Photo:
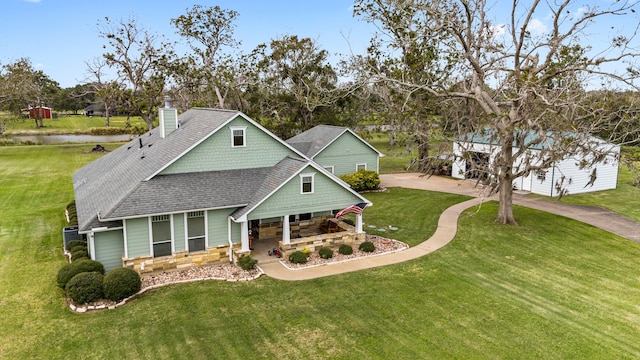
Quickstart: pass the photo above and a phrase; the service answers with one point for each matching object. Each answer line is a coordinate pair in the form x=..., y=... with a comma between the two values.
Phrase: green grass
x=396, y=158
x=72, y=124
x=550, y=288
x=623, y=200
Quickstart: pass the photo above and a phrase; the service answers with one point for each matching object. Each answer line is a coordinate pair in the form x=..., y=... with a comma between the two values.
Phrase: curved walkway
x=448, y=224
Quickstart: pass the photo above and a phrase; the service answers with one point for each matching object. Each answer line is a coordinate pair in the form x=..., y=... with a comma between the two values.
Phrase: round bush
x=85, y=287
x=345, y=249
x=246, y=262
x=367, y=246
x=73, y=243
x=325, y=253
x=298, y=257
x=79, y=249
x=121, y=283
x=70, y=270
x=78, y=255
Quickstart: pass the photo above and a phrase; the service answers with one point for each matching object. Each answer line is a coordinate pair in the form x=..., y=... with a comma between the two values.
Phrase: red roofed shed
x=40, y=112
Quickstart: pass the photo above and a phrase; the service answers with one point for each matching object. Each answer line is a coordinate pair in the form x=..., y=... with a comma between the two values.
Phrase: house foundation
x=180, y=260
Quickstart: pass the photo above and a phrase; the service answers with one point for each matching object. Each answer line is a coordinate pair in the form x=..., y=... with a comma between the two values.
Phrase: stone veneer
x=345, y=235
x=180, y=259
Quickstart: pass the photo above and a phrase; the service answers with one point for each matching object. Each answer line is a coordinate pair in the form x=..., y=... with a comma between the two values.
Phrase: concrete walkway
x=448, y=224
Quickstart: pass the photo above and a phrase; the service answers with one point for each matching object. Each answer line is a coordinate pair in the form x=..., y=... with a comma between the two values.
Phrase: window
x=195, y=231
x=161, y=235
x=306, y=183
x=304, y=217
x=361, y=167
x=238, y=136
x=329, y=169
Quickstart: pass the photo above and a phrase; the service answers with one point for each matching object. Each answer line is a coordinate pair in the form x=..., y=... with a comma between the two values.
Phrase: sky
x=59, y=36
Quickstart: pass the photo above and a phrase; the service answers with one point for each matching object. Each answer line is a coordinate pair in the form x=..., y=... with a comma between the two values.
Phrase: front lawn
x=550, y=288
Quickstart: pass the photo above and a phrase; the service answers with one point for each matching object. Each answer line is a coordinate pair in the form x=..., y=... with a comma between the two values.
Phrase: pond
x=61, y=139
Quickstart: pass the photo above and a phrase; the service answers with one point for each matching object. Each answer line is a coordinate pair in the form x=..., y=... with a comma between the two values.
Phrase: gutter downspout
x=229, y=239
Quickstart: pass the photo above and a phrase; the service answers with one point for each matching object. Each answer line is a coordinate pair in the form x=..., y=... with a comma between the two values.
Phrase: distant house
x=200, y=188
x=338, y=149
x=94, y=110
x=40, y=112
x=564, y=175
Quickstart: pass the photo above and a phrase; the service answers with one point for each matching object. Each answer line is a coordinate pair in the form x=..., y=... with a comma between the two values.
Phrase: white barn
x=564, y=175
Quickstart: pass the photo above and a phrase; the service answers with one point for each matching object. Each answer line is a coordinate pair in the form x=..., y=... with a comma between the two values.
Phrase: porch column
x=286, y=230
x=244, y=235
x=359, y=223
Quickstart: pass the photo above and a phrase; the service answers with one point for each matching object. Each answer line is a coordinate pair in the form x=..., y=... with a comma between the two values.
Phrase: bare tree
x=513, y=85
x=140, y=63
x=108, y=91
x=209, y=71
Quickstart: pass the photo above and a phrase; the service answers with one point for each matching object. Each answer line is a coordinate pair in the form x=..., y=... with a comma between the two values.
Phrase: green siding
x=345, y=152
x=137, y=237
x=261, y=150
x=109, y=248
x=327, y=195
x=235, y=232
x=217, y=226
x=178, y=232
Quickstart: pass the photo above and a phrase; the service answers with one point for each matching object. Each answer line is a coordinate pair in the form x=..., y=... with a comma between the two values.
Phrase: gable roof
x=281, y=173
x=102, y=187
x=318, y=138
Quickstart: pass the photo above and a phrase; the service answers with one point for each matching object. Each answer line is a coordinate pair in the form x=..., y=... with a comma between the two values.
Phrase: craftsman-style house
x=204, y=187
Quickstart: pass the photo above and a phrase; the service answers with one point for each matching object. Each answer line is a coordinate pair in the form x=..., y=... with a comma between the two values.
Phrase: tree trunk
x=504, y=161
x=505, y=208
x=106, y=116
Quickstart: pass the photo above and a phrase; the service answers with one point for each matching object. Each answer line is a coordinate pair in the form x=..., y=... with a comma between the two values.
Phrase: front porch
x=312, y=234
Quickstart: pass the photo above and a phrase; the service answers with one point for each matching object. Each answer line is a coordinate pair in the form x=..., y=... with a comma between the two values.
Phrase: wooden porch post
x=286, y=230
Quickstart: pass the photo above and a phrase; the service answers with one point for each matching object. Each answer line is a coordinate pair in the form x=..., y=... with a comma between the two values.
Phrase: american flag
x=356, y=209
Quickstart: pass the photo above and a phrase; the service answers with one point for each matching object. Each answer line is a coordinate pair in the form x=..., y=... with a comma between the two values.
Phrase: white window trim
x=173, y=244
x=244, y=136
x=361, y=164
x=302, y=176
x=330, y=169
x=186, y=230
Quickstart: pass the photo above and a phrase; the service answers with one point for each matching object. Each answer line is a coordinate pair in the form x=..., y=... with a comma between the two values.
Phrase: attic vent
x=140, y=140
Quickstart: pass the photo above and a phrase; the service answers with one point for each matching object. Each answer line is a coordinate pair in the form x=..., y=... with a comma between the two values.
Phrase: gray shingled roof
x=103, y=184
x=316, y=139
x=191, y=191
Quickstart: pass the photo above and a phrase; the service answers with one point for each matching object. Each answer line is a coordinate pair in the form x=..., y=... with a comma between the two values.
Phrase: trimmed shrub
x=77, y=255
x=68, y=271
x=345, y=249
x=362, y=180
x=246, y=262
x=121, y=283
x=85, y=287
x=367, y=246
x=73, y=243
x=78, y=248
x=325, y=253
x=298, y=257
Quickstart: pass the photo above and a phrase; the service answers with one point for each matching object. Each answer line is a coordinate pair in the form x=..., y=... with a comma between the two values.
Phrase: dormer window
x=238, y=138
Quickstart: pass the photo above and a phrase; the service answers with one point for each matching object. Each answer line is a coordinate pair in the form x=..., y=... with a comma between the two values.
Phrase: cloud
x=498, y=30
x=537, y=27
